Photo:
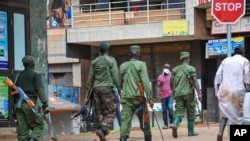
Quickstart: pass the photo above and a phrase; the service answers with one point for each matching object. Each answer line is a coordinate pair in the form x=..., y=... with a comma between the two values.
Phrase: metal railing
x=118, y=13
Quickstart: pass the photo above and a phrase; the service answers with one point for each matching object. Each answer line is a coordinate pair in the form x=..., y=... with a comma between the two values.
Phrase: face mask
x=166, y=71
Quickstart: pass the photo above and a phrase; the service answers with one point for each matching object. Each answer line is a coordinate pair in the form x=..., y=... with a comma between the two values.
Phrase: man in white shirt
x=230, y=83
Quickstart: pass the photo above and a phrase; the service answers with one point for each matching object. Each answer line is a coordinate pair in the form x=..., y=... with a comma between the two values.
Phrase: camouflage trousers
x=105, y=107
x=26, y=121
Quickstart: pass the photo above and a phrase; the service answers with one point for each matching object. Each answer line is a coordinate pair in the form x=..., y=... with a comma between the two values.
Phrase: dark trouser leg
x=148, y=137
x=123, y=138
x=164, y=111
x=223, y=123
x=118, y=112
x=32, y=139
x=171, y=109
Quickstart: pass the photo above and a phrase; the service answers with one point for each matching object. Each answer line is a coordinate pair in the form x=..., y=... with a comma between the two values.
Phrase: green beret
x=28, y=59
x=134, y=48
x=104, y=45
x=184, y=54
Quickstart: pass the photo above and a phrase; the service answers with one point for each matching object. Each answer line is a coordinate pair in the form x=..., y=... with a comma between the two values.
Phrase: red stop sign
x=228, y=11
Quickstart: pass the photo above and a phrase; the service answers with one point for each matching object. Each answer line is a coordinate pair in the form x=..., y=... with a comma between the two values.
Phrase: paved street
x=136, y=135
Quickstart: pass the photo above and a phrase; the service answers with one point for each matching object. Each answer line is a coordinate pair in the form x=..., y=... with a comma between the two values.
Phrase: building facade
x=22, y=31
x=162, y=28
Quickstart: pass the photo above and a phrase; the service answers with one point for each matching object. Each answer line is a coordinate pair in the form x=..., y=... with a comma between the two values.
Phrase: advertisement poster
x=219, y=46
x=4, y=64
x=71, y=94
x=58, y=13
x=175, y=28
x=4, y=100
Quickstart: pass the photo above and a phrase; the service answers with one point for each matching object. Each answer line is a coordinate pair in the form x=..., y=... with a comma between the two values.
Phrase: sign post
x=228, y=12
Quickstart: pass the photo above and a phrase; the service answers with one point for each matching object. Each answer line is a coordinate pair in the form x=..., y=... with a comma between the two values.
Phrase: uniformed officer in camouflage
x=104, y=72
x=32, y=84
x=184, y=94
x=133, y=72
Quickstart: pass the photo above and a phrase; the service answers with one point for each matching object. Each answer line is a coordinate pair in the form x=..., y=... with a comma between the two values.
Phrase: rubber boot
x=177, y=121
x=148, y=137
x=191, y=131
x=223, y=123
x=123, y=138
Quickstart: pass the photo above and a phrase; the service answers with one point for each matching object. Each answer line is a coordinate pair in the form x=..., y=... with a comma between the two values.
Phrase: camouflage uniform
x=131, y=73
x=183, y=94
x=104, y=72
x=31, y=83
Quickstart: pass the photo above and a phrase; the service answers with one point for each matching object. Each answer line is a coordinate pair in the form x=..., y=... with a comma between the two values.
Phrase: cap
x=166, y=66
x=134, y=48
x=28, y=59
x=104, y=45
x=184, y=54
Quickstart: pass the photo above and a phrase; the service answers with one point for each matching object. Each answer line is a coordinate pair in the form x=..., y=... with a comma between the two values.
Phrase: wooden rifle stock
x=144, y=103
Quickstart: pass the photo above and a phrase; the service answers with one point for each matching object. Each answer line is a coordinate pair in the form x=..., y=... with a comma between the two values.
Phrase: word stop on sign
x=227, y=6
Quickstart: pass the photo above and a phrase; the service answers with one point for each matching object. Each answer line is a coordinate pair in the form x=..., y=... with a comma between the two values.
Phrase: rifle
x=90, y=94
x=144, y=107
x=23, y=96
x=191, y=81
x=145, y=117
x=30, y=103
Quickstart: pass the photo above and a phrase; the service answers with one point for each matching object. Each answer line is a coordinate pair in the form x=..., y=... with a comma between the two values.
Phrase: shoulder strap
x=108, y=68
x=185, y=72
x=137, y=72
x=16, y=78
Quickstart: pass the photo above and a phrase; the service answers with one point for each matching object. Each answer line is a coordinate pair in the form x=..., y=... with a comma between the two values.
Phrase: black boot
x=223, y=123
x=32, y=139
x=101, y=134
x=123, y=138
x=148, y=137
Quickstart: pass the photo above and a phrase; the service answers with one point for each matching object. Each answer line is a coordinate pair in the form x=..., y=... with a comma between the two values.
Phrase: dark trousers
x=167, y=109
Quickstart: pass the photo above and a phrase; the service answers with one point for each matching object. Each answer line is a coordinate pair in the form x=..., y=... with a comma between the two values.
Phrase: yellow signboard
x=175, y=28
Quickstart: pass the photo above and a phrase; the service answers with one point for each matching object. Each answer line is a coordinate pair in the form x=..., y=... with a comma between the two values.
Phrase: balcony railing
x=120, y=13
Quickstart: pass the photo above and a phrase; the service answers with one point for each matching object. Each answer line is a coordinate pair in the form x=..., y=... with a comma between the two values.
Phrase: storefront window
x=19, y=40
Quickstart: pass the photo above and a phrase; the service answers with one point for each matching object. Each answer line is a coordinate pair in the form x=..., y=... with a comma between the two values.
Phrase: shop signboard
x=4, y=100
x=200, y=2
x=70, y=93
x=4, y=64
x=243, y=25
x=218, y=47
x=175, y=28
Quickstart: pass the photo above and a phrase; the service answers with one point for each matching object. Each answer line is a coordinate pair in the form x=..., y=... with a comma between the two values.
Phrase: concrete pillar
x=38, y=40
